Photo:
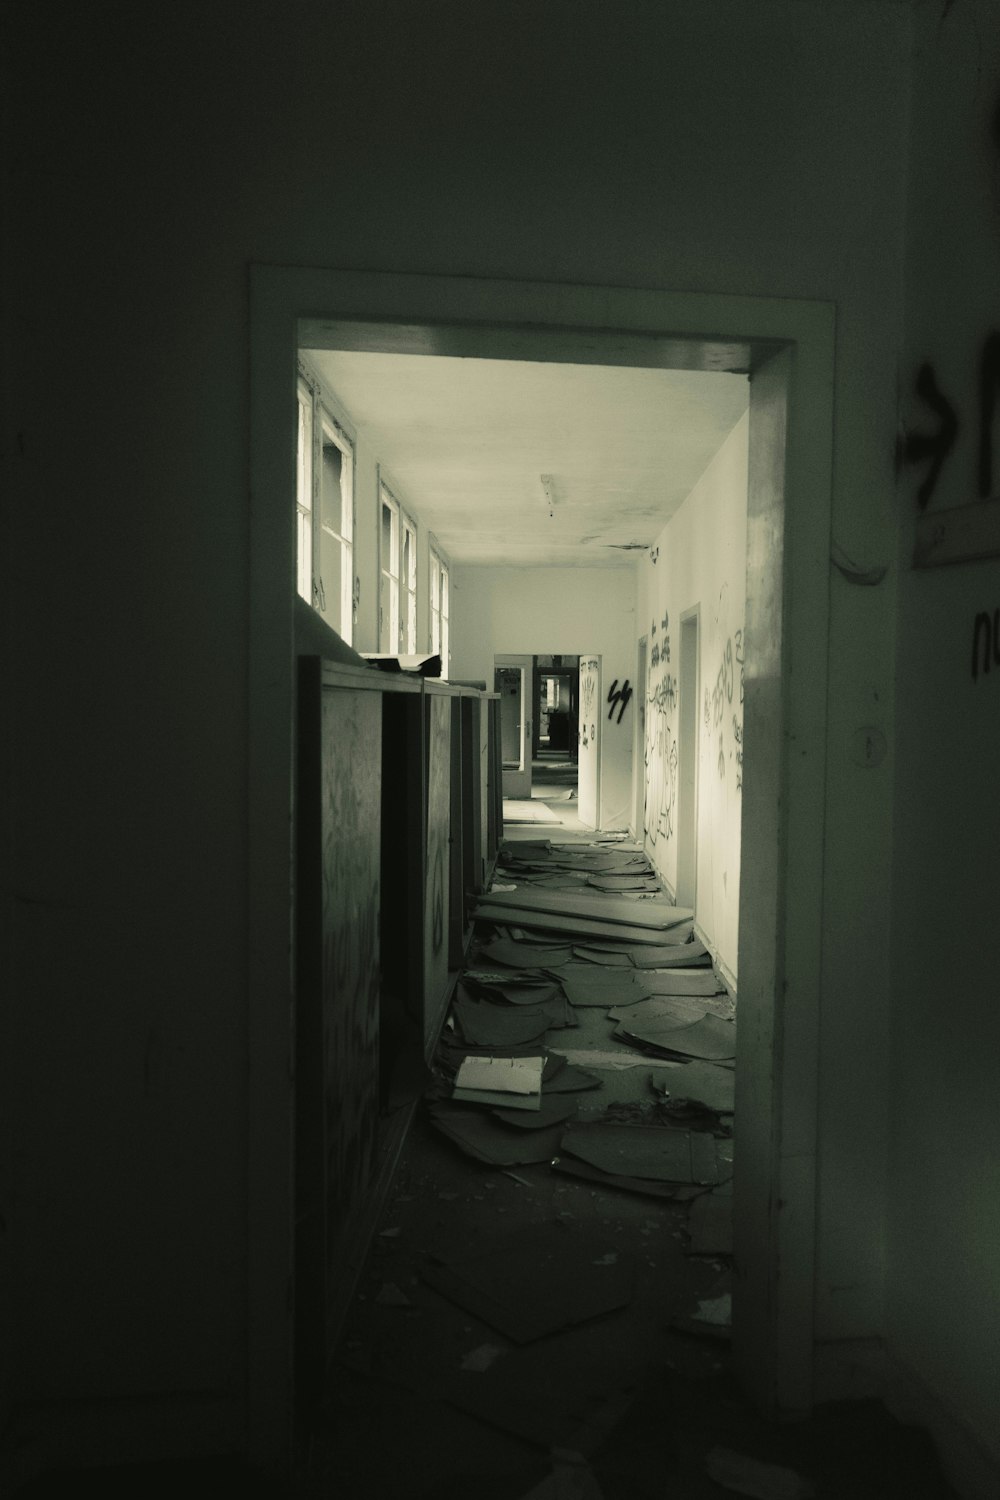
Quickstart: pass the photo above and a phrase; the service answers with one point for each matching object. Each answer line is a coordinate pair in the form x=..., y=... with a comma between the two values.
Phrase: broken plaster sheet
x=709, y=1038
x=647, y=1151
x=489, y=1025
x=579, y=928
x=701, y=1083
x=527, y=956
x=514, y=1081
x=537, y=1281
x=679, y=982
x=674, y=1009
x=670, y=955
x=747, y=1476
x=554, y=1109
x=615, y=882
x=487, y=1140
x=568, y=1481
x=646, y=1187
x=571, y=1080
x=712, y=1316
x=602, y=958
x=611, y=1061
x=586, y=984
x=543, y=992
x=600, y=906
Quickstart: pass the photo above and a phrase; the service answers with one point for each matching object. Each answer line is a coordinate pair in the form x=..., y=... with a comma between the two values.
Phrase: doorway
x=687, y=764
x=780, y=917
x=512, y=679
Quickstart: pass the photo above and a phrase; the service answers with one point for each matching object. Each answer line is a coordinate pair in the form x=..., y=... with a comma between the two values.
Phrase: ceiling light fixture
x=549, y=491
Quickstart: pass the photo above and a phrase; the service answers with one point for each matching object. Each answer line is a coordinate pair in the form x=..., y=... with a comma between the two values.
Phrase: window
x=439, y=608
x=409, y=582
x=335, y=581
x=324, y=499
x=398, y=577
x=303, y=494
x=389, y=573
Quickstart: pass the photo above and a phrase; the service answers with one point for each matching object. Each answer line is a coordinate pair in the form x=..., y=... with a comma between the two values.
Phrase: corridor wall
x=700, y=566
x=943, y=1281
x=571, y=611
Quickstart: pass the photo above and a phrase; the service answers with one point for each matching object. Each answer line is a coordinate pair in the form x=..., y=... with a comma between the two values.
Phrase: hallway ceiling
x=466, y=441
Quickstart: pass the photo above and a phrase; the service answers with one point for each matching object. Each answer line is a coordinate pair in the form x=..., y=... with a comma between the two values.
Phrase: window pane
x=303, y=496
x=410, y=643
x=347, y=496
x=329, y=584
x=304, y=555
x=387, y=519
x=303, y=477
x=331, y=497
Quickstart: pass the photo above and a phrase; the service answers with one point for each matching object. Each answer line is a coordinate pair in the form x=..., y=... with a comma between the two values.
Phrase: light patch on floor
x=527, y=812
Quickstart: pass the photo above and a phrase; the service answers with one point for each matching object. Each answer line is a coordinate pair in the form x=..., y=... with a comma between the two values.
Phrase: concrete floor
x=637, y=1401
x=640, y=1402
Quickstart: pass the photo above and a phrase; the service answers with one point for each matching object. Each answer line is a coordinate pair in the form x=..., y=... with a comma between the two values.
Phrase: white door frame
x=517, y=783
x=783, y=794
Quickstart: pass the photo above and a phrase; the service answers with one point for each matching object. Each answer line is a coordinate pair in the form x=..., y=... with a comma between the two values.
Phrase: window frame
x=398, y=635
x=325, y=421
x=439, y=578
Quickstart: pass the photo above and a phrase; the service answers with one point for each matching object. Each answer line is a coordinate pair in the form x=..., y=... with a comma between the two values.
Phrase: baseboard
x=970, y=1465
x=721, y=968
x=88, y=1434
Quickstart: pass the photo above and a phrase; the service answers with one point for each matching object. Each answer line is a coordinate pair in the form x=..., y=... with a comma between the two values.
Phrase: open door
x=588, y=786
x=512, y=680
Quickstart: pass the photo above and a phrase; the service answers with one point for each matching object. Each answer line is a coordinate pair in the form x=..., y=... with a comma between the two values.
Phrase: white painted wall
x=570, y=611
x=943, y=1283
x=700, y=565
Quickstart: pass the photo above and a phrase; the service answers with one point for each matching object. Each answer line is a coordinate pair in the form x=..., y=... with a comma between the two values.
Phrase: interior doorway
x=512, y=679
x=782, y=804
x=687, y=763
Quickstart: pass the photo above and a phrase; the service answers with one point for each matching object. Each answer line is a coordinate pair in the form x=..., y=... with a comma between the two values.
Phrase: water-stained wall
x=943, y=1303
x=697, y=567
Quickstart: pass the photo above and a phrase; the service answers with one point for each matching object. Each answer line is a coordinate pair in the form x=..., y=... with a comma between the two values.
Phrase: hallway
x=470, y=1365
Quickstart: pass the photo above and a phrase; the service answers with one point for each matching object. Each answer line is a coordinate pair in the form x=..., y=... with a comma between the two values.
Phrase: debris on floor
x=747, y=1476
x=513, y=1082
x=537, y=1281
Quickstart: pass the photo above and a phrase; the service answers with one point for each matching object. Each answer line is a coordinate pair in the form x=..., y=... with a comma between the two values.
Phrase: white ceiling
x=466, y=441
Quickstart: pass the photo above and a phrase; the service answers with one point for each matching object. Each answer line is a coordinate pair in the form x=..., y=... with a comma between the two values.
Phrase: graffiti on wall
x=932, y=447
x=588, y=701
x=618, y=697
x=660, y=769
x=724, y=699
x=660, y=749
x=985, y=642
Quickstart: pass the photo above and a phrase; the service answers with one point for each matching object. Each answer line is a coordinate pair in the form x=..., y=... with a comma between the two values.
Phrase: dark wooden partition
x=338, y=863
x=474, y=768
x=395, y=774
x=437, y=724
x=403, y=887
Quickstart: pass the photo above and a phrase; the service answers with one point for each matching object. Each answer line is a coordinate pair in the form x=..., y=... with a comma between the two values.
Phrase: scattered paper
x=508, y=1075
x=716, y=1310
